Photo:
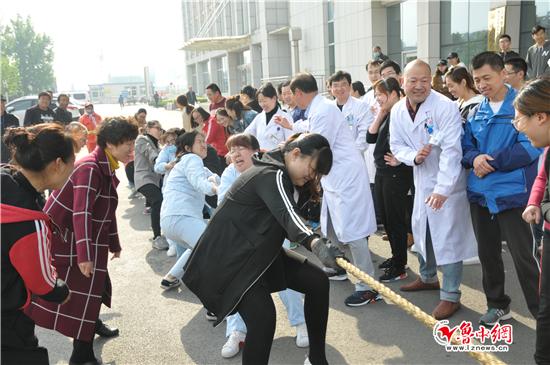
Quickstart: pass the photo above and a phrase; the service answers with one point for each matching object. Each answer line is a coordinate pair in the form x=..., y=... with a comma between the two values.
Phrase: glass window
x=532, y=13
x=464, y=27
x=402, y=30
x=222, y=72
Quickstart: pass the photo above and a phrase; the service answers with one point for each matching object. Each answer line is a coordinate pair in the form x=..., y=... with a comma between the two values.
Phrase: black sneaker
x=170, y=284
x=393, y=273
x=363, y=297
x=211, y=316
x=386, y=264
x=337, y=275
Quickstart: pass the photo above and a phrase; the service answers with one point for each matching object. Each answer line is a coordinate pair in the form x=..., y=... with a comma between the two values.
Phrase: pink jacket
x=537, y=191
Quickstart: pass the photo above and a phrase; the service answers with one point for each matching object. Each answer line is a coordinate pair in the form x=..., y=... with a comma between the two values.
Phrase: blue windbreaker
x=515, y=159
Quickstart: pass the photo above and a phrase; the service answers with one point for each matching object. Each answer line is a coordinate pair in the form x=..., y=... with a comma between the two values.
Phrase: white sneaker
x=171, y=251
x=302, y=339
x=471, y=261
x=160, y=243
x=307, y=362
x=233, y=345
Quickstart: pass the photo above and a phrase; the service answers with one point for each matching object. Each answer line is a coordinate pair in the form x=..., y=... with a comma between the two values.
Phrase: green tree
x=11, y=83
x=31, y=53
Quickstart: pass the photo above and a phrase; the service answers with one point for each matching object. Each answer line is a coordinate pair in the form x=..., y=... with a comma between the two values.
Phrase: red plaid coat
x=84, y=210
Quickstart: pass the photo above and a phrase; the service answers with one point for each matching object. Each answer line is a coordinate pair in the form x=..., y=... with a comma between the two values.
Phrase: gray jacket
x=146, y=152
x=537, y=61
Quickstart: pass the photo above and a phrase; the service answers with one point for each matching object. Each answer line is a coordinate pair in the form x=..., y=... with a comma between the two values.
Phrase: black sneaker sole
x=396, y=278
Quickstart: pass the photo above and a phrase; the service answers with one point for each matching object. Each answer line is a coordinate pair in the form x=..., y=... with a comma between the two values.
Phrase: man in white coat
x=355, y=111
x=347, y=212
x=425, y=132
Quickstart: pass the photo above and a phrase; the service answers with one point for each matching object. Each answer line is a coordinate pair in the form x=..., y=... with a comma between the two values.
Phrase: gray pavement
x=158, y=327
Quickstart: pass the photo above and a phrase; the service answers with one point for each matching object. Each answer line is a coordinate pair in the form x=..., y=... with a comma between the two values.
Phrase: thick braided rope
x=416, y=312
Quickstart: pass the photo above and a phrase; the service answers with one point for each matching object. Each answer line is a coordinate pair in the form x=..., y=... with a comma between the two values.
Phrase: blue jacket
x=185, y=188
x=166, y=155
x=515, y=159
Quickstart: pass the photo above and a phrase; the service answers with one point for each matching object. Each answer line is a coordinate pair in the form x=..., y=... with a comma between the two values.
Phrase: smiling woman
x=84, y=210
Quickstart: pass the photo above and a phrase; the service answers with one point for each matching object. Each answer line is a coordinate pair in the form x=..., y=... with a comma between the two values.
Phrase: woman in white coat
x=347, y=210
x=425, y=132
x=263, y=127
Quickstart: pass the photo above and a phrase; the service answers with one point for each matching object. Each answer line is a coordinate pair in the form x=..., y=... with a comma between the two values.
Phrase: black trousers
x=19, y=344
x=490, y=229
x=542, y=354
x=129, y=169
x=391, y=195
x=154, y=196
x=258, y=312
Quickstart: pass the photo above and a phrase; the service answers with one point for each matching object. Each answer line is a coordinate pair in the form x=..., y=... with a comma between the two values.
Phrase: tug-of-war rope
x=416, y=312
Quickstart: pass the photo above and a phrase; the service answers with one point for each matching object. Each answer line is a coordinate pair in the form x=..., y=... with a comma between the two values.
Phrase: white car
x=19, y=106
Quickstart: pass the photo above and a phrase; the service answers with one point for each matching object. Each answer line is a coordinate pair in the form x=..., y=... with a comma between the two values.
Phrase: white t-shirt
x=495, y=105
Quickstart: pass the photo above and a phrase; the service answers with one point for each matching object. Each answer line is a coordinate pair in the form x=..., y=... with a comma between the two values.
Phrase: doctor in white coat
x=263, y=127
x=425, y=132
x=354, y=110
x=347, y=211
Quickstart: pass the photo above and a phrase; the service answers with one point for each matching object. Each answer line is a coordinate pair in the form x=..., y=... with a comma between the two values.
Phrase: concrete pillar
x=256, y=63
x=213, y=70
x=233, y=76
x=295, y=35
x=429, y=32
x=513, y=20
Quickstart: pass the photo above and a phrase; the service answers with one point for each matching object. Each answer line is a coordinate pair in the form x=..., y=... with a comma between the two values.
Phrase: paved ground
x=170, y=328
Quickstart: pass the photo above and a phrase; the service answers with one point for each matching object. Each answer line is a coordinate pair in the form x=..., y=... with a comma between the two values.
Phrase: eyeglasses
x=518, y=122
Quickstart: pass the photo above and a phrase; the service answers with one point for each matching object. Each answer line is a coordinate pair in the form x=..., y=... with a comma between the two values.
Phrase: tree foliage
x=30, y=53
x=11, y=83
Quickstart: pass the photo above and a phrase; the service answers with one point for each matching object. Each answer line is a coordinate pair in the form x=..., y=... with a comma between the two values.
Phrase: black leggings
x=129, y=169
x=542, y=354
x=153, y=195
x=258, y=312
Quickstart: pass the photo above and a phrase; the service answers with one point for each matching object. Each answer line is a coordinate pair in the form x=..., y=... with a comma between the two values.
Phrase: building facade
x=240, y=42
x=132, y=88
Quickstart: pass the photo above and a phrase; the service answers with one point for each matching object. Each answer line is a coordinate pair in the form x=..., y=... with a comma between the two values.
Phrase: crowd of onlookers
x=447, y=164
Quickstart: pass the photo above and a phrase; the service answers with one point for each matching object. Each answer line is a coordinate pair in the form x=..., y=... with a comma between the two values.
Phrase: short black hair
x=62, y=96
x=505, y=36
x=304, y=82
x=267, y=90
x=392, y=64
x=537, y=28
x=487, y=58
x=214, y=87
x=45, y=93
x=339, y=76
x=518, y=64
x=116, y=131
x=359, y=87
x=249, y=91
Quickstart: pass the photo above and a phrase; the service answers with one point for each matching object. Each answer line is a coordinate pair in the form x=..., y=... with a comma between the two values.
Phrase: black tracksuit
x=63, y=116
x=392, y=186
x=239, y=259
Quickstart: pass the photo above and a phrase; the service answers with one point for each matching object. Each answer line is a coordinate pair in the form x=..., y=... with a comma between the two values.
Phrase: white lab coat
x=271, y=135
x=356, y=115
x=372, y=111
x=346, y=190
x=451, y=227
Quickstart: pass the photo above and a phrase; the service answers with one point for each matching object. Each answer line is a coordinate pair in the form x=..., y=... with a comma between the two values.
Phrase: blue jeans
x=452, y=273
x=185, y=231
x=291, y=299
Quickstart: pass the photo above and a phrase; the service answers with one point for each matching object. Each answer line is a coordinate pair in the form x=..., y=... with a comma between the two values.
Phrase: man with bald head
x=425, y=132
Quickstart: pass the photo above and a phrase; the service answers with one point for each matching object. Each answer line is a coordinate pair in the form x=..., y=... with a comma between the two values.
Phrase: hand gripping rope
x=416, y=312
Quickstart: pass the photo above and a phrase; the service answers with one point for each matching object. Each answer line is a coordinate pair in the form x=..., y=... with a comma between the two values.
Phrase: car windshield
x=79, y=96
